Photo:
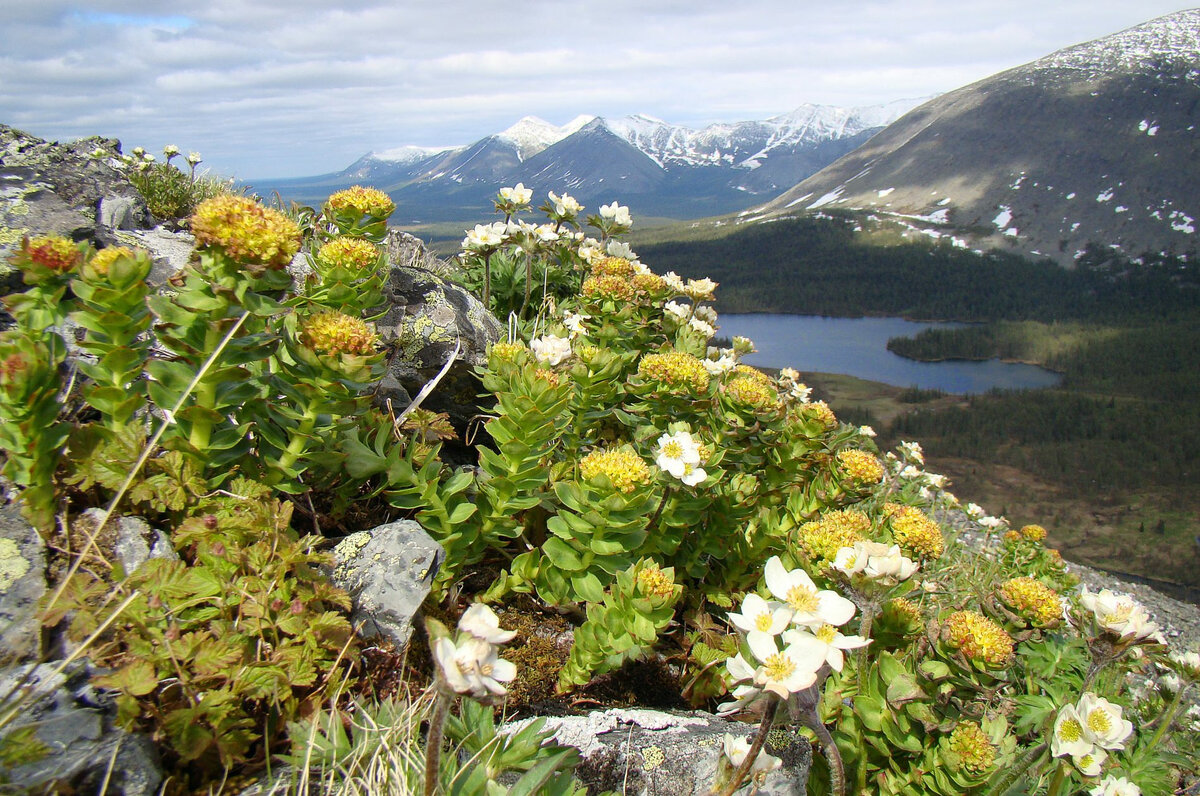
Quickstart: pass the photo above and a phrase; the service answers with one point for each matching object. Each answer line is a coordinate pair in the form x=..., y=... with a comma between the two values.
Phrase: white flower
x=518, y=195
x=1069, y=736
x=472, y=666
x=700, y=289
x=875, y=561
x=866, y=431
x=703, y=328
x=148, y=158
x=193, y=158
x=693, y=475
x=1116, y=786
x=170, y=150
x=565, y=206
x=1188, y=661
x=743, y=345
x=618, y=214
x=484, y=236
x=1120, y=615
x=1090, y=764
x=676, y=451
x=910, y=473
x=789, y=375
x=1171, y=682
x=1102, y=722
x=812, y=607
x=674, y=281
x=676, y=310
x=786, y=671
x=800, y=392
x=935, y=480
x=974, y=511
x=992, y=522
x=590, y=250
x=640, y=268
x=743, y=695
x=616, y=248
x=912, y=451
x=481, y=622
x=550, y=349
x=722, y=364
x=761, y=616
x=574, y=322
x=736, y=750
x=137, y=151
x=706, y=313
x=828, y=640
x=546, y=233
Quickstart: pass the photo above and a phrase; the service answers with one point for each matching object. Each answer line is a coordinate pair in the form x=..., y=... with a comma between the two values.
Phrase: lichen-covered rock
x=22, y=585
x=129, y=541
x=387, y=571
x=660, y=753
x=75, y=746
x=427, y=316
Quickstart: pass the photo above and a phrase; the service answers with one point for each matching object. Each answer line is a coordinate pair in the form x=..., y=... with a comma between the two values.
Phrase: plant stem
x=487, y=280
x=1010, y=775
x=1060, y=775
x=1167, y=717
x=812, y=719
x=528, y=285
x=433, y=741
x=760, y=739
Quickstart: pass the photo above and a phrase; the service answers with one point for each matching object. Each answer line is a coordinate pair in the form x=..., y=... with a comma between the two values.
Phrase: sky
x=278, y=88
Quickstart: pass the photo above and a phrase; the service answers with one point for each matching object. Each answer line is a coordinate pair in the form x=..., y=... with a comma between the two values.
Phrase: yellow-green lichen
x=11, y=235
x=652, y=758
x=13, y=565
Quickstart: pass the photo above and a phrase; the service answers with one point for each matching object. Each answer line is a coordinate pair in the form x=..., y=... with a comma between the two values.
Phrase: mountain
x=1096, y=144
x=655, y=167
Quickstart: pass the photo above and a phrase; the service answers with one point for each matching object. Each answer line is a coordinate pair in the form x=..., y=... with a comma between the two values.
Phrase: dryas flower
x=786, y=671
x=353, y=254
x=337, y=333
x=365, y=201
x=722, y=364
x=574, y=323
x=1116, y=786
x=517, y=196
x=860, y=466
x=1102, y=722
x=970, y=748
x=1032, y=600
x=679, y=455
x=700, y=289
x=978, y=638
x=974, y=511
x=736, y=749
x=703, y=327
x=827, y=640
x=1121, y=615
x=617, y=214
x=675, y=369
x=761, y=616
x=912, y=451
x=484, y=237
x=246, y=231
x=811, y=606
x=915, y=532
x=565, y=206
x=875, y=561
x=866, y=431
x=992, y=523
x=550, y=349
x=481, y=622
x=623, y=467
x=674, y=281
x=680, y=312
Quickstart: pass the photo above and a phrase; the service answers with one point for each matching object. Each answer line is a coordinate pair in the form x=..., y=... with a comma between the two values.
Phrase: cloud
x=279, y=87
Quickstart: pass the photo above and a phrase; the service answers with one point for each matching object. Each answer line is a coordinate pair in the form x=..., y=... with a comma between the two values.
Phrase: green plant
x=170, y=193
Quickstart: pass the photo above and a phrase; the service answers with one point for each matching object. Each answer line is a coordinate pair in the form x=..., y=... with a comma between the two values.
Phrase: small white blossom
x=1120, y=615
x=786, y=671
x=574, y=322
x=618, y=214
x=700, y=289
x=736, y=749
x=811, y=606
x=483, y=237
x=170, y=150
x=565, y=206
x=866, y=431
x=680, y=312
x=974, y=511
x=193, y=159
x=1116, y=786
x=992, y=522
x=1091, y=763
x=800, y=392
x=1102, y=722
x=481, y=622
x=517, y=195
x=910, y=473
x=761, y=616
x=674, y=281
x=829, y=640
x=550, y=349
x=706, y=313
x=616, y=248
x=722, y=364
x=472, y=666
x=875, y=561
x=789, y=375
x=705, y=330
x=912, y=451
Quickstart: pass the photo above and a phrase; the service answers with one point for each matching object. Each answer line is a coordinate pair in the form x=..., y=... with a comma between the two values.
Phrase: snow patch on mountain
x=1172, y=38
x=405, y=155
x=531, y=135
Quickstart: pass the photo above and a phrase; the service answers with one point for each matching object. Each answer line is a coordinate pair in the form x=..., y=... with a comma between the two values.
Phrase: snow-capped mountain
x=1096, y=144
x=654, y=166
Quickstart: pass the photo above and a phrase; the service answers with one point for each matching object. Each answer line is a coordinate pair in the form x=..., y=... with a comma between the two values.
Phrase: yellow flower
x=612, y=266
x=336, y=333
x=353, y=254
x=52, y=252
x=979, y=638
x=751, y=392
x=246, y=231
x=624, y=468
x=1011, y=537
x=548, y=376
x=821, y=539
x=654, y=582
x=608, y=286
x=861, y=466
x=368, y=201
x=915, y=532
x=103, y=259
x=905, y=610
x=819, y=410
x=971, y=749
x=675, y=369
x=1034, y=533
x=649, y=283
x=1032, y=600
x=506, y=352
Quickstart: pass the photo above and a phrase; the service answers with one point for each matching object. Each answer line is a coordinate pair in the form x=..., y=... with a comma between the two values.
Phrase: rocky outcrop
x=22, y=585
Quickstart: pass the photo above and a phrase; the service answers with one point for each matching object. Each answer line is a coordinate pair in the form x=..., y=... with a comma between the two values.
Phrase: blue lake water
x=858, y=347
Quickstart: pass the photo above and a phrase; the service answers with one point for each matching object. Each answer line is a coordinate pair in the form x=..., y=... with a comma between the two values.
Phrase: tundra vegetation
x=670, y=508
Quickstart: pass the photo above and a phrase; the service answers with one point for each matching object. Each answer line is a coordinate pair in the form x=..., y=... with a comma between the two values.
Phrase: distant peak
x=531, y=134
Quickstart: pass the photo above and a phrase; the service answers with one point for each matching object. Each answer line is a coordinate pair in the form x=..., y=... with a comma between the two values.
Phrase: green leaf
x=562, y=555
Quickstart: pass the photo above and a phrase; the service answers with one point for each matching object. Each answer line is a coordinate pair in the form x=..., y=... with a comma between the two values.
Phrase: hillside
x=1094, y=145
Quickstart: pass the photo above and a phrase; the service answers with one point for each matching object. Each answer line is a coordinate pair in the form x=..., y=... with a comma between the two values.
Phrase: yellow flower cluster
x=749, y=391
x=821, y=539
x=905, y=610
x=752, y=373
x=914, y=531
x=819, y=410
x=649, y=283
x=624, y=468
x=1032, y=600
x=1011, y=537
x=246, y=231
x=861, y=466
x=1034, y=533
x=52, y=252
x=653, y=582
x=506, y=352
x=607, y=286
x=103, y=259
x=612, y=266
x=337, y=333
x=353, y=254
x=675, y=369
x=546, y=375
x=979, y=638
x=368, y=201
x=972, y=748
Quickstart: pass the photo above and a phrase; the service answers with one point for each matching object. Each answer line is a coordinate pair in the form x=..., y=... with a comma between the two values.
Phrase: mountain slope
x=1095, y=144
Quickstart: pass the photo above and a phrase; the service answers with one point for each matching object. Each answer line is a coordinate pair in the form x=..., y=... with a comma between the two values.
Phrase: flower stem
x=837, y=770
x=1167, y=717
x=433, y=741
x=528, y=283
x=487, y=280
x=1060, y=776
x=760, y=739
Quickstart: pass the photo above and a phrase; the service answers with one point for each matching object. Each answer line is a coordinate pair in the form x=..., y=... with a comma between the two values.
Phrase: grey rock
x=80, y=740
x=427, y=317
x=170, y=250
x=133, y=541
x=118, y=212
x=661, y=753
x=387, y=571
x=22, y=585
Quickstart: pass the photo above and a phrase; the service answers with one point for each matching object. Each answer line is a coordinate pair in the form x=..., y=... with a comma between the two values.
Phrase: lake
x=858, y=347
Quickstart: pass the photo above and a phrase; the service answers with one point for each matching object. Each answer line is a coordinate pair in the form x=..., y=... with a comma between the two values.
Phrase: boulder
x=129, y=541
x=74, y=747
x=667, y=753
x=22, y=585
x=387, y=571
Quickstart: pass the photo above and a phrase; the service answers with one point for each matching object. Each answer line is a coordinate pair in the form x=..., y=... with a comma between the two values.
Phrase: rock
x=22, y=585
x=387, y=571
x=170, y=251
x=64, y=189
x=130, y=541
x=79, y=739
x=427, y=316
x=660, y=753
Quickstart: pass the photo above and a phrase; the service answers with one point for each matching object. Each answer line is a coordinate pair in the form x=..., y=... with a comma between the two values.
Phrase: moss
x=13, y=565
x=539, y=651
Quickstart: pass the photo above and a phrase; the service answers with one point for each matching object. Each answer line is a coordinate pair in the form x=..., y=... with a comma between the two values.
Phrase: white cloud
x=276, y=87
